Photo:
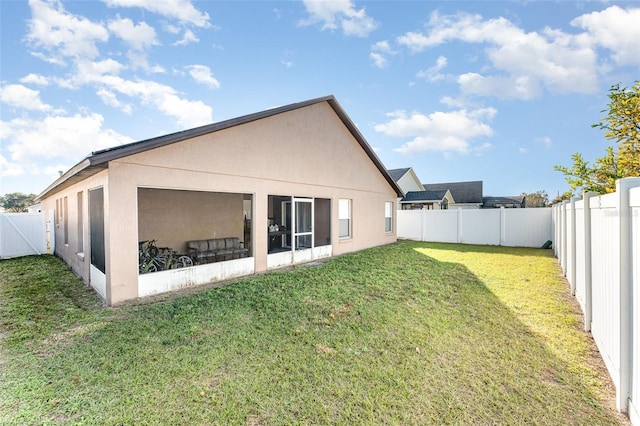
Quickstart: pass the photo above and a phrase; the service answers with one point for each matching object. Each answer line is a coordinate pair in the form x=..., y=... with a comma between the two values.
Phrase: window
x=388, y=217
x=344, y=218
x=65, y=219
x=80, y=230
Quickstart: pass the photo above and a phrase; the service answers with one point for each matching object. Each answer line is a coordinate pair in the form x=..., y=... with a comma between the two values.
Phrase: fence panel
x=508, y=227
x=409, y=223
x=440, y=225
x=579, y=285
x=605, y=249
x=527, y=227
x=22, y=234
x=571, y=245
x=480, y=227
x=598, y=247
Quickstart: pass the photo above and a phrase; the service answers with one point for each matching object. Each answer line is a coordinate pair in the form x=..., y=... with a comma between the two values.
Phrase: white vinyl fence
x=598, y=248
x=22, y=234
x=504, y=227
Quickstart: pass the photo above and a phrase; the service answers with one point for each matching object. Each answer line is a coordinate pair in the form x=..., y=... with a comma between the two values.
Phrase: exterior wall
x=79, y=261
x=409, y=182
x=306, y=152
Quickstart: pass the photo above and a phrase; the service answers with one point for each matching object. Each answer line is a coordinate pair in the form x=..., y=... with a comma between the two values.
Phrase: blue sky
x=476, y=90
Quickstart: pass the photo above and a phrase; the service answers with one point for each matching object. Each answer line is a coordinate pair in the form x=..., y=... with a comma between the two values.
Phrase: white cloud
x=378, y=59
x=202, y=75
x=19, y=96
x=37, y=79
x=89, y=69
x=182, y=10
x=65, y=137
x=110, y=98
x=525, y=62
x=104, y=75
x=339, y=14
x=53, y=172
x=503, y=87
x=433, y=74
x=139, y=37
x=439, y=131
x=454, y=102
x=546, y=141
x=616, y=29
x=187, y=113
x=188, y=37
x=9, y=169
x=62, y=33
x=379, y=53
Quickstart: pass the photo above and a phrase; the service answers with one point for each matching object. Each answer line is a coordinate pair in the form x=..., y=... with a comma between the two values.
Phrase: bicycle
x=153, y=259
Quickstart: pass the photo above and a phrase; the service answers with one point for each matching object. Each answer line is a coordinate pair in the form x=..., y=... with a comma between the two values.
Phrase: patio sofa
x=216, y=249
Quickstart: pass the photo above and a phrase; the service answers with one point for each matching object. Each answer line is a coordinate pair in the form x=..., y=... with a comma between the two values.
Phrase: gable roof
x=397, y=174
x=99, y=160
x=406, y=179
x=424, y=196
x=462, y=192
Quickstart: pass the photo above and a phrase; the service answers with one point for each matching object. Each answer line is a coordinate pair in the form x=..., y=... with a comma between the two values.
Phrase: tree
x=622, y=125
x=16, y=202
x=560, y=198
x=536, y=199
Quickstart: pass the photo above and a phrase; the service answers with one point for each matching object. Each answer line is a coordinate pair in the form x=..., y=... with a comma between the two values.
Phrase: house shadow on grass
x=389, y=335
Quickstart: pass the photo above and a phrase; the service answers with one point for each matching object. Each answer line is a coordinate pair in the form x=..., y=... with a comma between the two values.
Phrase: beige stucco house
x=303, y=167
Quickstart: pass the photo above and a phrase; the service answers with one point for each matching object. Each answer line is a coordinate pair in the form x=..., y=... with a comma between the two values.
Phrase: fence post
x=587, y=259
x=626, y=292
x=556, y=230
x=572, y=270
x=459, y=236
x=563, y=236
x=503, y=226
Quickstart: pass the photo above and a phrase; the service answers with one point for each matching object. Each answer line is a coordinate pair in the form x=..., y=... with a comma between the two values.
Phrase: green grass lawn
x=410, y=333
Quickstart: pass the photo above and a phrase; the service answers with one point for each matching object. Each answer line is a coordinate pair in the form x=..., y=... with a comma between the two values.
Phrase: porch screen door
x=303, y=223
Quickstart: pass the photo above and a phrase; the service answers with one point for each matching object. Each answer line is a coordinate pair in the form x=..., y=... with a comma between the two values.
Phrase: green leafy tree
x=560, y=198
x=536, y=199
x=621, y=125
x=17, y=202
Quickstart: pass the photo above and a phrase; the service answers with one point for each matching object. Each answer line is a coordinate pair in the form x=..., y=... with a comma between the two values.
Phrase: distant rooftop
x=491, y=202
x=462, y=192
x=396, y=174
x=425, y=196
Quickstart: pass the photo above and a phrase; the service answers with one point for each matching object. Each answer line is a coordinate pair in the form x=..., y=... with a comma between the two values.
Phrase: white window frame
x=344, y=213
x=388, y=217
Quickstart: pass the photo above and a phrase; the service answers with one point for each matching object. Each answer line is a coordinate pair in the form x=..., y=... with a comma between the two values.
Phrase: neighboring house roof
x=99, y=160
x=406, y=179
x=396, y=174
x=424, y=196
x=462, y=192
x=492, y=202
